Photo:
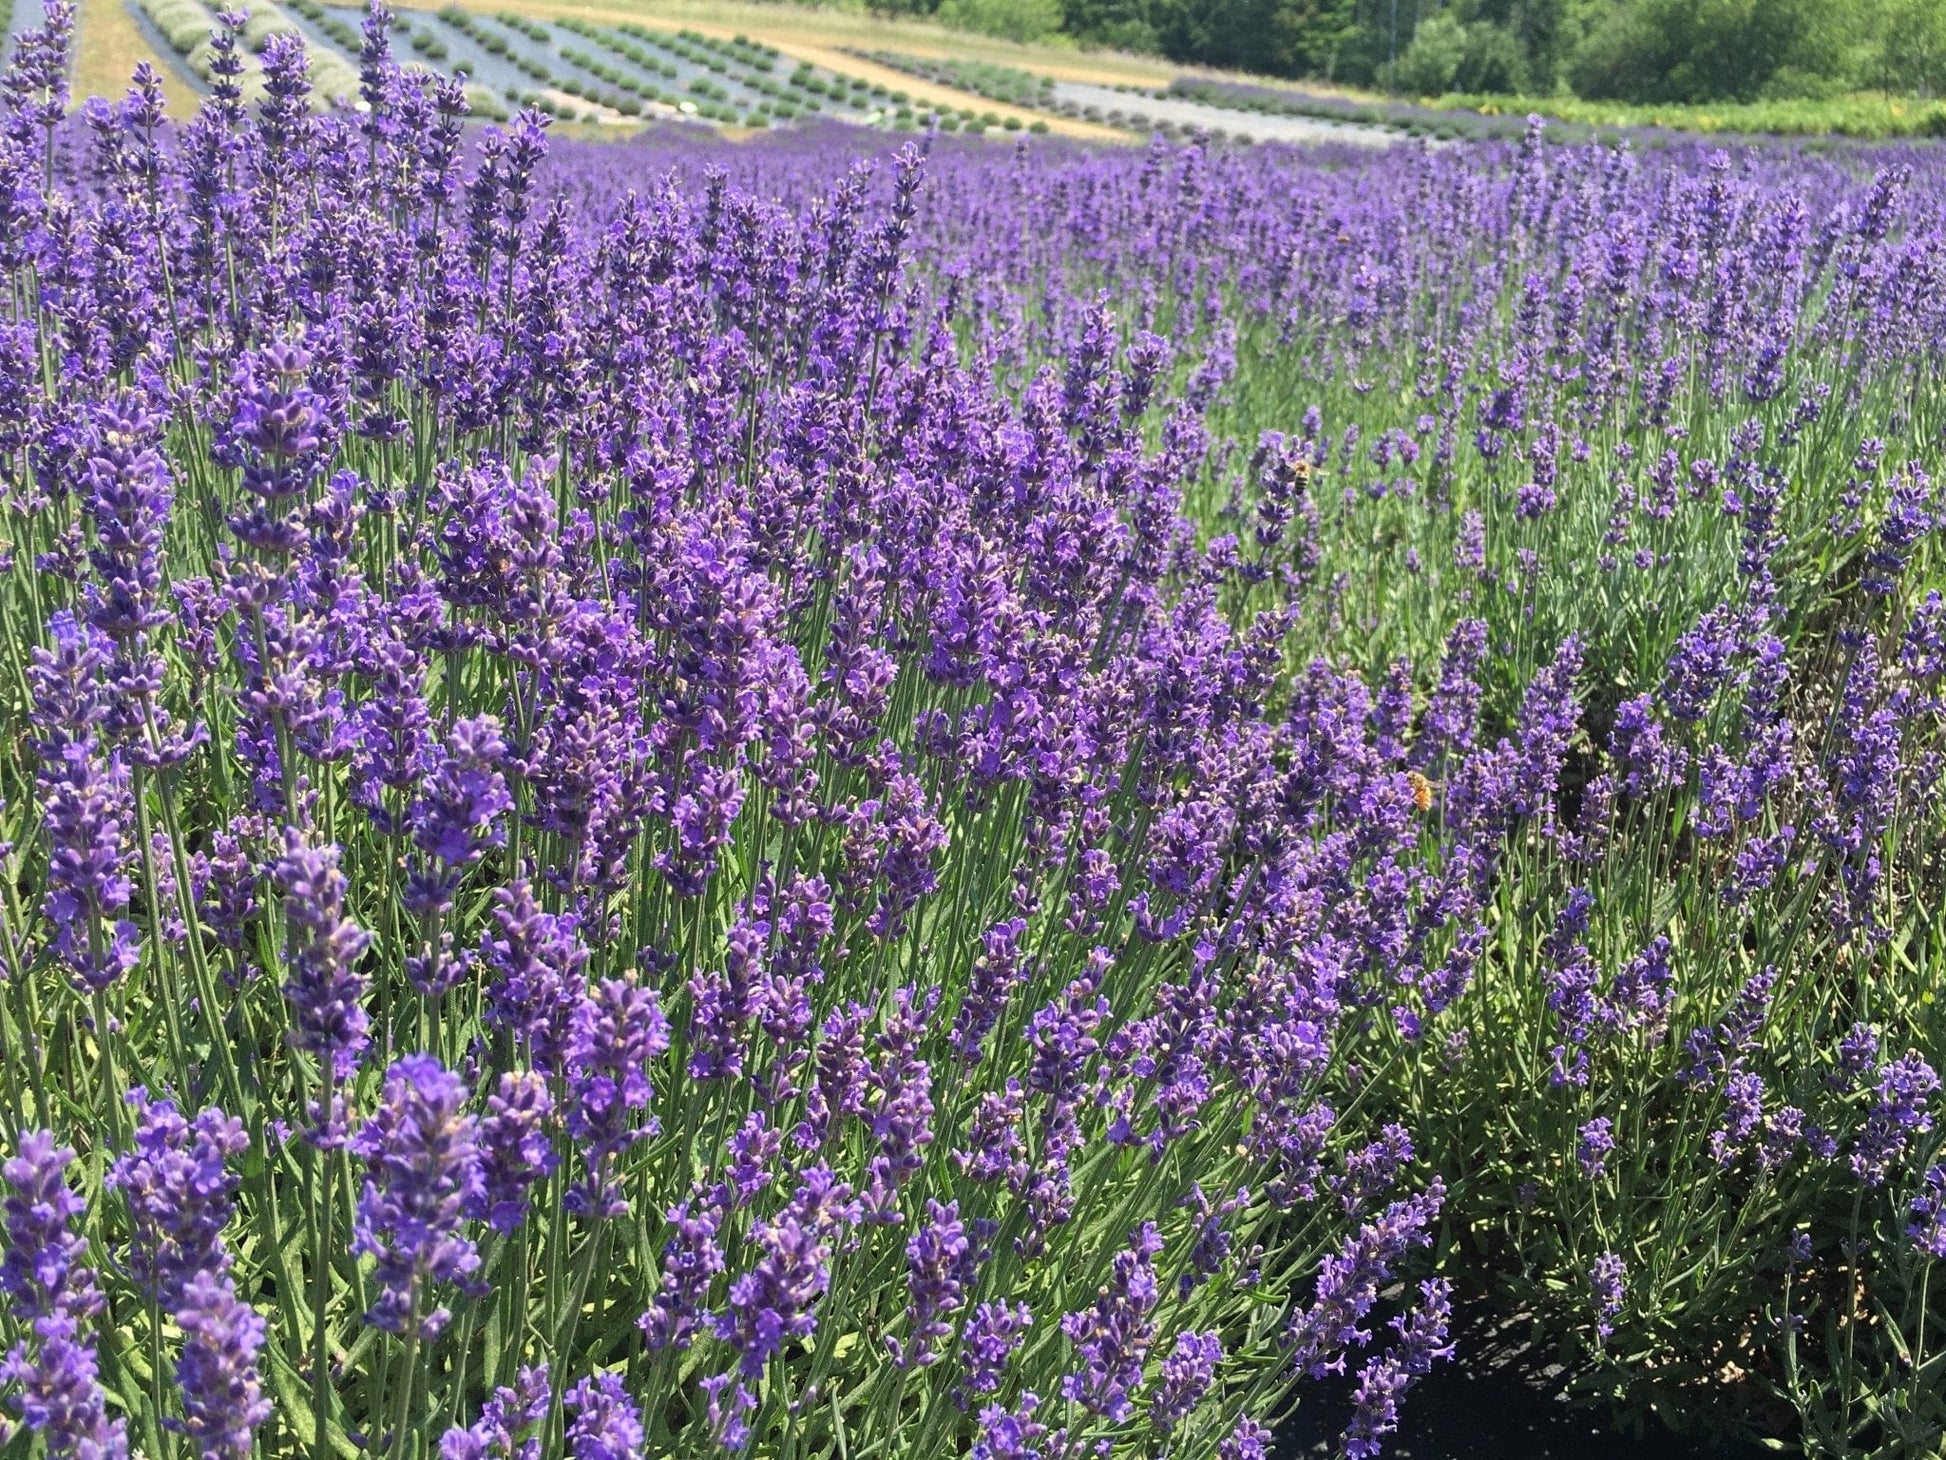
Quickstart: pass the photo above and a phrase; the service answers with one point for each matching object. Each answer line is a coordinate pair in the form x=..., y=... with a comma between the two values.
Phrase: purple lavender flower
x=941, y=1261
x=988, y=1343
x=1605, y=1284
x=1014, y=1434
x=1596, y=1140
x=1743, y=1115
x=456, y=817
x=85, y=790
x=515, y=1151
x=1349, y=1281
x=505, y=1419
x=607, y=1425
x=422, y=1151
x=53, y=1368
x=1857, y=1056
x=691, y=1260
x=1372, y=1171
x=1185, y=1378
x=618, y=1031
x=898, y=1096
x=536, y=962
x=1383, y=1381
x=1649, y=763
x=1248, y=1441
x=222, y=1392
x=1711, y=1055
x=1898, y=1114
x=179, y=1192
x=1908, y=518
x=277, y=439
x=1112, y=1337
x=325, y=989
x=729, y=1424
x=1928, y=1226
x=36, y=84
x=41, y=1272
x=753, y=1152
x=1548, y=716
x=997, y=970
x=772, y=1303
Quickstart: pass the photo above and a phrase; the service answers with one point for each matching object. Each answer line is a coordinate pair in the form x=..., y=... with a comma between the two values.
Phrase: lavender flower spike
x=51, y=1372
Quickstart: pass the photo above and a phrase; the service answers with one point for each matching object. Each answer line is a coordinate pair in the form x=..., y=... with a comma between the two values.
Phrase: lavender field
x=866, y=797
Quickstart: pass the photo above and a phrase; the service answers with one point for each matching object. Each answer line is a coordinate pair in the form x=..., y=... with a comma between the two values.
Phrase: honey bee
x=1421, y=790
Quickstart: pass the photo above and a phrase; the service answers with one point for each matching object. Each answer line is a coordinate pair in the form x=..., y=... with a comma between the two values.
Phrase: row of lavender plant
x=1661, y=435
x=1659, y=431
x=642, y=824
x=614, y=852
x=1681, y=412
x=1678, y=432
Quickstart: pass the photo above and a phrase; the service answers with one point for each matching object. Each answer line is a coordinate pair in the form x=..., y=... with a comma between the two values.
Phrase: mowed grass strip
x=108, y=46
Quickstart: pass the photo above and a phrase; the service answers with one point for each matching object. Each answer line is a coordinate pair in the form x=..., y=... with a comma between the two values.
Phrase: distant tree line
x=1625, y=50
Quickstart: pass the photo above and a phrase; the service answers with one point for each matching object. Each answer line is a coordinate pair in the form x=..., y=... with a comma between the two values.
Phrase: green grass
x=1870, y=116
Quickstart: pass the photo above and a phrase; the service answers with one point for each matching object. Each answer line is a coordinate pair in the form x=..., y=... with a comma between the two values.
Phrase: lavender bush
x=667, y=799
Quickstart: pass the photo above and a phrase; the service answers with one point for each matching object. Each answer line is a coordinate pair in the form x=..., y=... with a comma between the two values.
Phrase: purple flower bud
x=515, y=1152
x=422, y=1152
x=325, y=989
x=179, y=1193
x=1605, y=1284
x=53, y=1298
x=504, y=1419
x=618, y=1031
x=222, y=1392
x=1186, y=1377
x=607, y=1425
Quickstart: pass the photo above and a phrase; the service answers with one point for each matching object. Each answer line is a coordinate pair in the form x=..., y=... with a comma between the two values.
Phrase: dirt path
x=109, y=42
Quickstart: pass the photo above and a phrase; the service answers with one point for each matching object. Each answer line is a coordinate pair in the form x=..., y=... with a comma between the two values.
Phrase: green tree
x=1309, y=37
x=1128, y=25
x=1912, y=47
x=1430, y=63
x=1714, y=50
x=1537, y=29
x=1233, y=33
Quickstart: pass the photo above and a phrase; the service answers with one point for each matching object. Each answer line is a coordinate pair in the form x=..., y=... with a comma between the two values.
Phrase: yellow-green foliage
x=1868, y=115
x=265, y=21
x=183, y=23
x=187, y=25
x=485, y=102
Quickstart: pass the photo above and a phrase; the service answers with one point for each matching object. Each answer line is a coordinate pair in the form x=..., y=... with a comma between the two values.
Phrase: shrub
x=1018, y=20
